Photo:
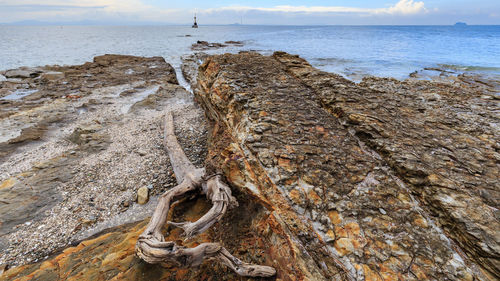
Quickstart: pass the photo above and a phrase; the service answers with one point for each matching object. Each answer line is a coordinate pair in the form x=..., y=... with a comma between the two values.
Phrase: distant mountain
x=84, y=22
x=460, y=24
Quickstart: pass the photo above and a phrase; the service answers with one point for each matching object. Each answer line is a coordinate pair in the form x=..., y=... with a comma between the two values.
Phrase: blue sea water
x=353, y=51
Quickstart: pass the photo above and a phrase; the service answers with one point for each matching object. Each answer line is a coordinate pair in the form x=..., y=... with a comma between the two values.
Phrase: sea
x=352, y=51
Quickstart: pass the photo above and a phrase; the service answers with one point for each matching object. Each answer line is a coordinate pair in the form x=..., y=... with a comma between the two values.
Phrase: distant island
x=460, y=24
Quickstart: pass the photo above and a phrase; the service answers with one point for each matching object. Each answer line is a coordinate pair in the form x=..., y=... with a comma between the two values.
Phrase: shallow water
x=19, y=94
x=137, y=97
x=353, y=51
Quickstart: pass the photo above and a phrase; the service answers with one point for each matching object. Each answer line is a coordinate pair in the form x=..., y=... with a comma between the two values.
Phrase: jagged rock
x=2, y=78
x=143, y=195
x=382, y=180
x=204, y=45
x=359, y=152
x=439, y=139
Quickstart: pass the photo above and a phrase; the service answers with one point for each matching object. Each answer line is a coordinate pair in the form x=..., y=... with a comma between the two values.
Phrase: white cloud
x=126, y=6
x=81, y=9
x=140, y=10
x=403, y=7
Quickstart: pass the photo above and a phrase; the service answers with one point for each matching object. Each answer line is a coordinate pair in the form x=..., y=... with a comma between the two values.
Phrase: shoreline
x=94, y=139
x=437, y=73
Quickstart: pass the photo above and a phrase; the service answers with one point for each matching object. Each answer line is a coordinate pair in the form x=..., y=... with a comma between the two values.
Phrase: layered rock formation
x=385, y=191
x=441, y=140
x=381, y=180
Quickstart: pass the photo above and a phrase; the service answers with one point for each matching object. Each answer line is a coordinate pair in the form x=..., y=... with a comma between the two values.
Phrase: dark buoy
x=195, y=25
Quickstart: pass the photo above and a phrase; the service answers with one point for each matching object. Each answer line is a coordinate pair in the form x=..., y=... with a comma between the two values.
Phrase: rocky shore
x=77, y=149
x=336, y=180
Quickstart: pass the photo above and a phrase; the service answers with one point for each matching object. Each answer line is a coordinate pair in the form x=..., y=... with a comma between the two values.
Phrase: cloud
x=77, y=10
x=403, y=7
x=109, y=5
x=35, y=7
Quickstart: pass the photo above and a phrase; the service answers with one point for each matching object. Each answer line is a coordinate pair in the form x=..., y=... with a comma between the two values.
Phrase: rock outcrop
x=205, y=46
x=292, y=144
x=380, y=180
x=442, y=141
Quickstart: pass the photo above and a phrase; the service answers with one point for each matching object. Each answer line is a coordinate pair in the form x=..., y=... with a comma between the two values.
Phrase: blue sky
x=254, y=12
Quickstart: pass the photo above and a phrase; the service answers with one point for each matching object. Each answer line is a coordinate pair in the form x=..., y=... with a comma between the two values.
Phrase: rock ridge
x=336, y=180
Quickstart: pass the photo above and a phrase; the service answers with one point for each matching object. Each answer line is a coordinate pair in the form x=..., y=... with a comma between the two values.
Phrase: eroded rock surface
x=205, y=46
x=398, y=179
x=442, y=140
x=381, y=180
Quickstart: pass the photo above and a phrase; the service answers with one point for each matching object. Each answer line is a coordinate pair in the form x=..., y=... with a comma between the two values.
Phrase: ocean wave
x=469, y=68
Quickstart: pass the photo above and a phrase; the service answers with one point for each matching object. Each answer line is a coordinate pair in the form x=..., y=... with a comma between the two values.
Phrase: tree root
x=151, y=245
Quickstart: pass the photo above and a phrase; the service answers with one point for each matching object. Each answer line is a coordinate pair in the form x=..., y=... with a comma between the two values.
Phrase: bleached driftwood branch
x=151, y=245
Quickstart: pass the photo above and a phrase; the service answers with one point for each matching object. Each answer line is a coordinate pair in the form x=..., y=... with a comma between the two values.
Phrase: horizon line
x=97, y=23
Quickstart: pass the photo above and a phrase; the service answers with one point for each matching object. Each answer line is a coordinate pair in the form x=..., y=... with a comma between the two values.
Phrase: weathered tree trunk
x=151, y=245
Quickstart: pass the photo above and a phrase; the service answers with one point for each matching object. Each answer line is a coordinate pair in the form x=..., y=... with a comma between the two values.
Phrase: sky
x=281, y=12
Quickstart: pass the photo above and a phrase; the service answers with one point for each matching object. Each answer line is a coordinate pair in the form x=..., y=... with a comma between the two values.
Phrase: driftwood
x=151, y=245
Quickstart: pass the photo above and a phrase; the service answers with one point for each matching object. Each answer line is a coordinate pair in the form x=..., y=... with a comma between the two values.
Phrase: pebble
x=143, y=195
x=101, y=184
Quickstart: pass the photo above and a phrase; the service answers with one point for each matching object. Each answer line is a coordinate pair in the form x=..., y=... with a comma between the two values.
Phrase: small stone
x=52, y=76
x=382, y=211
x=143, y=195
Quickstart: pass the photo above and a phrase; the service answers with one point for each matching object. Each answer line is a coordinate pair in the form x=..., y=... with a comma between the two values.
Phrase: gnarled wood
x=220, y=195
x=151, y=245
